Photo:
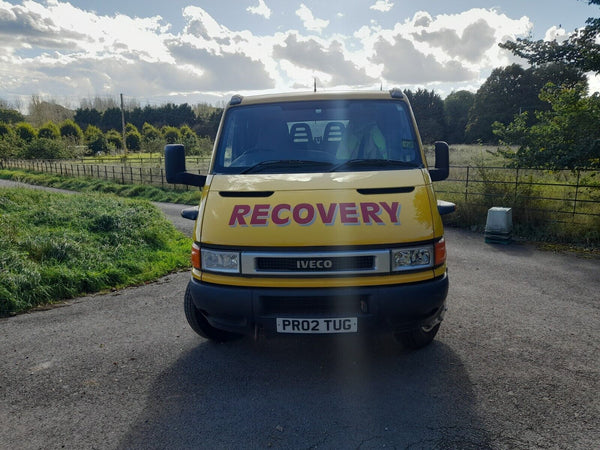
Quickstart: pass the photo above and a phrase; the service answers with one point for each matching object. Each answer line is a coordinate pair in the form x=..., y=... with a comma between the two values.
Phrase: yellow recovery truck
x=317, y=215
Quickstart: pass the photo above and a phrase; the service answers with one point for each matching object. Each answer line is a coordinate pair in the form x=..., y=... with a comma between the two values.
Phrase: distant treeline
x=204, y=122
x=462, y=117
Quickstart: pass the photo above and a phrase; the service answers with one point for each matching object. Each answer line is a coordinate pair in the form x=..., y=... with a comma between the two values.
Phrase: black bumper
x=400, y=307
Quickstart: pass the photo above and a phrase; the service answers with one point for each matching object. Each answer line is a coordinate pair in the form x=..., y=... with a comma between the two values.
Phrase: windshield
x=317, y=136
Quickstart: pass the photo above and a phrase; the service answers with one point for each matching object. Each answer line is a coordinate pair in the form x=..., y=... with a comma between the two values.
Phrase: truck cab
x=317, y=216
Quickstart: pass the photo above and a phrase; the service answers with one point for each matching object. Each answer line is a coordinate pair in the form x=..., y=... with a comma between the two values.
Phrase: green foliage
x=94, y=185
x=69, y=129
x=9, y=145
x=580, y=51
x=11, y=116
x=25, y=131
x=5, y=130
x=509, y=91
x=171, y=135
x=152, y=139
x=567, y=136
x=49, y=131
x=95, y=140
x=44, y=148
x=456, y=110
x=189, y=140
x=428, y=108
x=114, y=139
x=131, y=128
x=133, y=140
x=58, y=246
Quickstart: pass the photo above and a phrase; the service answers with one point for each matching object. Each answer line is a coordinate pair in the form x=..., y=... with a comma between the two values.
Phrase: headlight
x=218, y=261
x=412, y=258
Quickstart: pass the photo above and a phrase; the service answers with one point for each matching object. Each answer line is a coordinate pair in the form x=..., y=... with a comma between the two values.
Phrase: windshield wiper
x=372, y=163
x=283, y=163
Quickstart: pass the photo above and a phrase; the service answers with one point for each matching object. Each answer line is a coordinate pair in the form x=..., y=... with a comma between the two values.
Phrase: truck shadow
x=309, y=393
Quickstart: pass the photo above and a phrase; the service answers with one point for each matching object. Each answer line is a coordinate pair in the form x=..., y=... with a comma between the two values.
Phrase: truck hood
x=316, y=209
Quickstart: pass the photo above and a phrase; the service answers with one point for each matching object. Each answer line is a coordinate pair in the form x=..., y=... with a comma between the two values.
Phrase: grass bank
x=153, y=193
x=58, y=246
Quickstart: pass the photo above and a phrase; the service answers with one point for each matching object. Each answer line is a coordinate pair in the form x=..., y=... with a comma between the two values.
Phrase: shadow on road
x=309, y=393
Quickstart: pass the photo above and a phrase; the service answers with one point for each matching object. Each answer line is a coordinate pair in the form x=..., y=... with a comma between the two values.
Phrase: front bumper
x=249, y=311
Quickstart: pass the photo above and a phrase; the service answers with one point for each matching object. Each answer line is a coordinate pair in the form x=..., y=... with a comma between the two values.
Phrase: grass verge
x=59, y=246
x=153, y=193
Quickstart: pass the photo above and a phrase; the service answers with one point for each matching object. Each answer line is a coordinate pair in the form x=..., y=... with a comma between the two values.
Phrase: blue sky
x=203, y=51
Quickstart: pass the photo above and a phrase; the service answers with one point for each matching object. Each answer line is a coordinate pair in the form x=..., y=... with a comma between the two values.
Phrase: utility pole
x=123, y=125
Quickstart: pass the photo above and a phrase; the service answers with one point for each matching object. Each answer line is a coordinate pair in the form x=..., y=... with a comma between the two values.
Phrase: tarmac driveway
x=516, y=365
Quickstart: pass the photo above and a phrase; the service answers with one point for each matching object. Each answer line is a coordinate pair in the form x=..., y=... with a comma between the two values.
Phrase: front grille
x=324, y=264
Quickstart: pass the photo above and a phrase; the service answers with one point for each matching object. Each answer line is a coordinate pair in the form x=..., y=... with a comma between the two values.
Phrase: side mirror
x=442, y=162
x=190, y=213
x=445, y=207
x=175, y=167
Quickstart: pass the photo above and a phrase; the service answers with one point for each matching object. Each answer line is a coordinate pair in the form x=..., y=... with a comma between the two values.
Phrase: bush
x=25, y=131
x=131, y=128
x=114, y=139
x=95, y=140
x=152, y=139
x=44, y=148
x=49, y=131
x=72, y=131
x=133, y=139
x=9, y=146
x=5, y=130
x=171, y=135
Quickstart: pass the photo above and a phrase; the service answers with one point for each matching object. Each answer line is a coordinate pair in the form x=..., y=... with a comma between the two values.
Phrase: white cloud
x=311, y=23
x=556, y=33
x=382, y=5
x=43, y=43
x=261, y=9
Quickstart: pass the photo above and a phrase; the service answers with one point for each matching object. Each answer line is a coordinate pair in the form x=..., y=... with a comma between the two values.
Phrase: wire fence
x=535, y=195
x=144, y=171
x=555, y=196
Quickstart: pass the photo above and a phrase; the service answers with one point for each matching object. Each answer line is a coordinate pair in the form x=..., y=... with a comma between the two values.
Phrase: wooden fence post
x=576, y=194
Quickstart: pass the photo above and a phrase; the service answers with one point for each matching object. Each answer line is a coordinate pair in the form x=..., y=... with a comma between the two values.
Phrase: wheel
x=201, y=326
x=413, y=340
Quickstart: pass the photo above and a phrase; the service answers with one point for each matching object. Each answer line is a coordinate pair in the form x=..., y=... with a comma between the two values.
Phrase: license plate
x=317, y=326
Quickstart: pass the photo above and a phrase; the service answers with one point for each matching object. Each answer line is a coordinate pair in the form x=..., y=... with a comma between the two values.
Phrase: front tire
x=200, y=325
x=416, y=339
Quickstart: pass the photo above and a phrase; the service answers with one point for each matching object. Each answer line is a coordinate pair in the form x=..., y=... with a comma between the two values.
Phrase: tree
x=70, y=130
x=133, y=140
x=49, y=131
x=43, y=148
x=152, y=139
x=511, y=90
x=5, y=130
x=566, y=136
x=428, y=108
x=189, y=140
x=95, y=140
x=86, y=117
x=11, y=116
x=114, y=139
x=456, y=110
x=41, y=112
x=111, y=119
x=580, y=51
x=171, y=135
x=131, y=128
x=25, y=131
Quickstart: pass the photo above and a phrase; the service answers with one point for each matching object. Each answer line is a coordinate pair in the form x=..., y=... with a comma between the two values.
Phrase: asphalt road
x=516, y=365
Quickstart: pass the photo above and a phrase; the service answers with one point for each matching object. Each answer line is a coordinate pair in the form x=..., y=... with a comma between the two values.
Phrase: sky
x=179, y=51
